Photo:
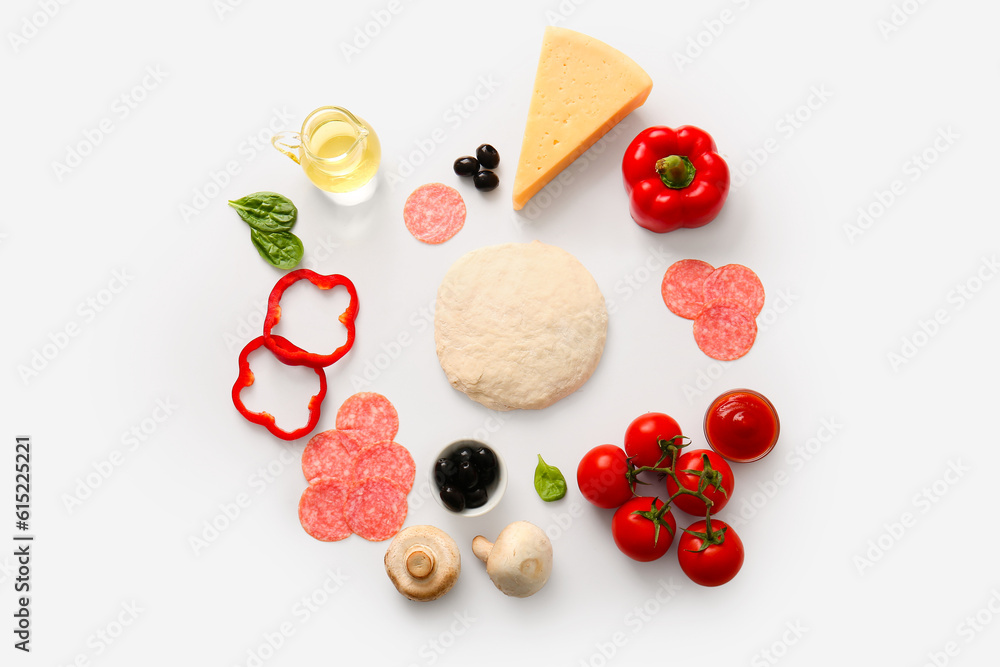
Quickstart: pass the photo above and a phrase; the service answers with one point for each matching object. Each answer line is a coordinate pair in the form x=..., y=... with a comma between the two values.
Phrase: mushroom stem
x=482, y=548
x=423, y=562
x=419, y=561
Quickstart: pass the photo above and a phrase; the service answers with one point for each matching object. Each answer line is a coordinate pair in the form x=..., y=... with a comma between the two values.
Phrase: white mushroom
x=520, y=561
x=423, y=562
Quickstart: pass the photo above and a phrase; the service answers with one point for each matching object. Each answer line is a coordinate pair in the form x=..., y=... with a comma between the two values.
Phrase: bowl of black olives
x=468, y=478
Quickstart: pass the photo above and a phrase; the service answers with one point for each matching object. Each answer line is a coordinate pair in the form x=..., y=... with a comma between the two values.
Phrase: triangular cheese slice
x=583, y=88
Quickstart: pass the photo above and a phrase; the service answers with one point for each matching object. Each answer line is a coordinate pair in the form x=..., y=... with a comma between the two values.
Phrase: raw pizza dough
x=519, y=325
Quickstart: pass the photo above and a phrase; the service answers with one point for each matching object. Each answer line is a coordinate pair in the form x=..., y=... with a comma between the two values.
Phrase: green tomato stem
x=672, y=448
x=707, y=476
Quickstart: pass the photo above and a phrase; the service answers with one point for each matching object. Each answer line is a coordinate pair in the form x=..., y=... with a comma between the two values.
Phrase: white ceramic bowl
x=494, y=491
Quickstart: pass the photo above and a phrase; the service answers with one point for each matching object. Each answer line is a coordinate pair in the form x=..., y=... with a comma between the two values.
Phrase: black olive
x=453, y=499
x=484, y=458
x=488, y=476
x=444, y=472
x=476, y=497
x=466, y=477
x=488, y=156
x=486, y=465
x=466, y=166
x=463, y=454
x=486, y=181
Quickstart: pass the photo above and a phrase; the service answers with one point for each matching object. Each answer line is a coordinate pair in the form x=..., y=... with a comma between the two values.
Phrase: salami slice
x=386, y=459
x=351, y=442
x=434, y=213
x=321, y=510
x=330, y=454
x=375, y=508
x=683, y=286
x=370, y=417
x=725, y=329
x=736, y=282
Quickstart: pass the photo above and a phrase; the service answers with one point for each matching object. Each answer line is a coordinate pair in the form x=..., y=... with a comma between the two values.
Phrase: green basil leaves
x=271, y=217
x=549, y=482
x=282, y=249
x=266, y=211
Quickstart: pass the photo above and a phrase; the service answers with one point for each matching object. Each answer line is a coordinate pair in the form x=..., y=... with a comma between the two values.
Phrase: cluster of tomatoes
x=697, y=482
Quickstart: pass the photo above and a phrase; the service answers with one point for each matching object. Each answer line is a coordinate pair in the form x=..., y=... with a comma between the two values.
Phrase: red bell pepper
x=265, y=419
x=291, y=354
x=674, y=178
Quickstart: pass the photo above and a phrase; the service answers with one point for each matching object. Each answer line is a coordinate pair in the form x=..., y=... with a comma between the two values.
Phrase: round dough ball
x=519, y=325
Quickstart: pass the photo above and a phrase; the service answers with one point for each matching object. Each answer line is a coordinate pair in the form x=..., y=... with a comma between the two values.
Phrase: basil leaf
x=549, y=482
x=282, y=249
x=266, y=211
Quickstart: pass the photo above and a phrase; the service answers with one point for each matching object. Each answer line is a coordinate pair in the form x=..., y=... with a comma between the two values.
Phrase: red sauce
x=741, y=425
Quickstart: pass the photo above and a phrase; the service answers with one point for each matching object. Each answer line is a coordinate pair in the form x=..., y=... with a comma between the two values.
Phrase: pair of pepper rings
x=290, y=354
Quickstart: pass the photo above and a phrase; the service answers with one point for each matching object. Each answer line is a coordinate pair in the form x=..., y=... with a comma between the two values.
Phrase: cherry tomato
x=717, y=563
x=601, y=476
x=643, y=434
x=640, y=531
x=695, y=460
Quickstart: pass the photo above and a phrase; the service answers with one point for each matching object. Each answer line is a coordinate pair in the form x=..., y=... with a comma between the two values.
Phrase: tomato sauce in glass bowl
x=742, y=425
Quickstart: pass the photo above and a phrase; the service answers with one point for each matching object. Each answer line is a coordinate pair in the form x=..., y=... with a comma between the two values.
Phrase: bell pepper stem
x=676, y=171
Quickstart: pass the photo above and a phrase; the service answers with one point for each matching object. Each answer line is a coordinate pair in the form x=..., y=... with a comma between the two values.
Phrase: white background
x=822, y=553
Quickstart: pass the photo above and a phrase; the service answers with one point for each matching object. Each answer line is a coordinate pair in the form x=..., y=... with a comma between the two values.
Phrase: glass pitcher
x=339, y=152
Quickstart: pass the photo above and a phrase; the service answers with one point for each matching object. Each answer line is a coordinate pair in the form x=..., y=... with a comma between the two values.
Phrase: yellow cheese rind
x=583, y=88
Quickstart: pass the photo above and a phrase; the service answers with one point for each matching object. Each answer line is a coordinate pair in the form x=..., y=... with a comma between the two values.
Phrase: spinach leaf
x=266, y=211
x=282, y=249
x=549, y=482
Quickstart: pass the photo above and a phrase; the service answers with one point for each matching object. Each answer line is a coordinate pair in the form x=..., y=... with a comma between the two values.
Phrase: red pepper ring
x=265, y=419
x=286, y=351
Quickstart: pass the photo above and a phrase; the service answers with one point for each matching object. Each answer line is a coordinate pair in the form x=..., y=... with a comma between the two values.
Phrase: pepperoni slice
x=321, y=510
x=351, y=442
x=434, y=213
x=725, y=329
x=683, y=286
x=386, y=459
x=736, y=282
x=370, y=417
x=330, y=454
x=375, y=508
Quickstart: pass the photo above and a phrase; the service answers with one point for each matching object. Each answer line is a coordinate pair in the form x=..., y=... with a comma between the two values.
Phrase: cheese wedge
x=583, y=88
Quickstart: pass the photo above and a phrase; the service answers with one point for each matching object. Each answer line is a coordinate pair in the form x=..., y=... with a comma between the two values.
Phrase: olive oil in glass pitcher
x=339, y=152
